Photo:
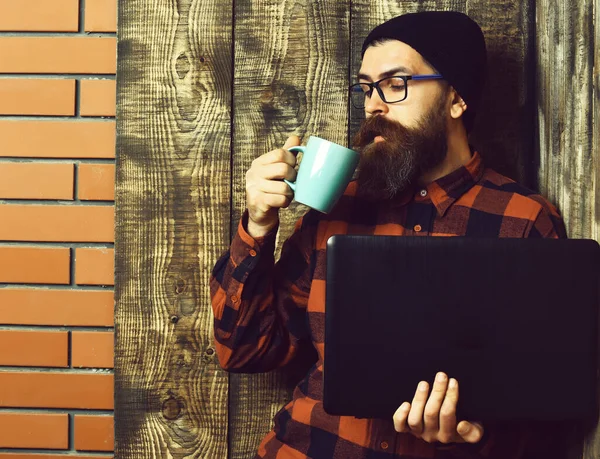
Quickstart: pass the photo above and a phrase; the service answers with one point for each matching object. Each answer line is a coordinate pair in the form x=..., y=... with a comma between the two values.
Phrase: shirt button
x=417, y=228
x=384, y=445
x=252, y=252
x=423, y=193
x=234, y=298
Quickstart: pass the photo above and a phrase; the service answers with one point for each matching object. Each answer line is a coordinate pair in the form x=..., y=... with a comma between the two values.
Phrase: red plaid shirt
x=266, y=312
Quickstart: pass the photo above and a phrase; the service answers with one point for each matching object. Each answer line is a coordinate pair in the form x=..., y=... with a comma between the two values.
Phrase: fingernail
x=422, y=386
x=441, y=377
x=405, y=406
x=452, y=383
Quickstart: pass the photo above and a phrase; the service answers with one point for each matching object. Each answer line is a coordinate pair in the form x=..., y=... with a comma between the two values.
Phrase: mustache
x=378, y=125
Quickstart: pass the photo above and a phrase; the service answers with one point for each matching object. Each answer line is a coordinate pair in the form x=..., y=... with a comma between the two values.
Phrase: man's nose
x=374, y=105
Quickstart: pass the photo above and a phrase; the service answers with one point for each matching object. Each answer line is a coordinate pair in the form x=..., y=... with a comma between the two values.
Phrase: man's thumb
x=292, y=141
x=470, y=432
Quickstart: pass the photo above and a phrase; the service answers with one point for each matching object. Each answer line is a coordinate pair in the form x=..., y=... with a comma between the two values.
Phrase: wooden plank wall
x=205, y=86
x=568, y=96
x=173, y=212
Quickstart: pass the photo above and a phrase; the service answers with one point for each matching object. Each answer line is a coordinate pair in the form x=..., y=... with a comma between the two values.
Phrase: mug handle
x=299, y=149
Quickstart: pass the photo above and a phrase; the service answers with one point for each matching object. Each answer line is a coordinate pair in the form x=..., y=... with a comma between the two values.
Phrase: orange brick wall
x=57, y=150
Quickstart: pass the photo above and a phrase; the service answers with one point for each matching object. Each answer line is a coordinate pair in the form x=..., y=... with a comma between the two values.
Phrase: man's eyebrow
x=389, y=73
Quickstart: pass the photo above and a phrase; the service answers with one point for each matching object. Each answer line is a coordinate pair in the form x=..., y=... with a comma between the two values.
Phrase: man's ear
x=458, y=107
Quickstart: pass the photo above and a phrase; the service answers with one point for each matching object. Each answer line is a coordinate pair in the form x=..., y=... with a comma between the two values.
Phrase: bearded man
x=420, y=81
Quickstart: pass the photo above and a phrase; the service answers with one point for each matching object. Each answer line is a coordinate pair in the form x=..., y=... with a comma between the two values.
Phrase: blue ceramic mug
x=325, y=170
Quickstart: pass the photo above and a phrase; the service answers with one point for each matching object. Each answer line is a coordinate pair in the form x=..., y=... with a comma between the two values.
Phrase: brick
x=36, y=181
x=58, y=139
x=98, y=98
x=94, y=266
x=56, y=390
x=37, y=97
x=101, y=15
x=39, y=15
x=34, y=430
x=92, y=349
x=74, y=308
x=34, y=265
x=94, y=433
x=58, y=55
x=96, y=182
x=56, y=223
x=34, y=348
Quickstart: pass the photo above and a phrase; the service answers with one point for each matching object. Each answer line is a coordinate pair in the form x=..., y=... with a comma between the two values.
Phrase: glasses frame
x=357, y=87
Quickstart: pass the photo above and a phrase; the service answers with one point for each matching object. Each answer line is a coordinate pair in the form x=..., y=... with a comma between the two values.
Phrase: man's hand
x=266, y=192
x=434, y=419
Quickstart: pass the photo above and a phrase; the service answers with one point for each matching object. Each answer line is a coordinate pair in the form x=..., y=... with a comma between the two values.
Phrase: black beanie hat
x=451, y=42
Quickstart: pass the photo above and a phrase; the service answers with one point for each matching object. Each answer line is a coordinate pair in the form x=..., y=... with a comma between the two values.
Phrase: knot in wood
x=266, y=97
x=180, y=286
x=182, y=66
x=171, y=408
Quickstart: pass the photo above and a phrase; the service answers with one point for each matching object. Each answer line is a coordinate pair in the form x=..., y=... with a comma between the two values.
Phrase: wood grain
x=569, y=153
x=567, y=58
x=290, y=77
x=173, y=210
x=595, y=186
x=505, y=125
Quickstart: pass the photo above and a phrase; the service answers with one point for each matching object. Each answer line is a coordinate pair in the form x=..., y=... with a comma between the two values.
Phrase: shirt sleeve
x=259, y=306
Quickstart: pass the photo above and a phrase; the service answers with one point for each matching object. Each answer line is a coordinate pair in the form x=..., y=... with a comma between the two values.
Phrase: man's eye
x=365, y=88
x=396, y=84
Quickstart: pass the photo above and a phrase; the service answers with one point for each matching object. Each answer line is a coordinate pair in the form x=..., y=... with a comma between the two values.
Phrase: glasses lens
x=358, y=92
x=394, y=89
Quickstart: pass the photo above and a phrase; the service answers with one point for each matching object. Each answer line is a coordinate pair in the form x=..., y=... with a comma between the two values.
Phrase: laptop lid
x=513, y=320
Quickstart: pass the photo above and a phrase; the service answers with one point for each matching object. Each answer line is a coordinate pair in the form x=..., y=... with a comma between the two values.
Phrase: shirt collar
x=446, y=190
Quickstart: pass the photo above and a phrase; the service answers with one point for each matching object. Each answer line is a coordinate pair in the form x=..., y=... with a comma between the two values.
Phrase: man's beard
x=389, y=167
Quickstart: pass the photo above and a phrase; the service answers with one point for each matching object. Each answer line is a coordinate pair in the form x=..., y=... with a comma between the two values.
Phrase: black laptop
x=515, y=321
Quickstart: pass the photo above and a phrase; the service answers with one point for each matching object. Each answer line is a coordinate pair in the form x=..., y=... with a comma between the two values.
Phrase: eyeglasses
x=391, y=89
